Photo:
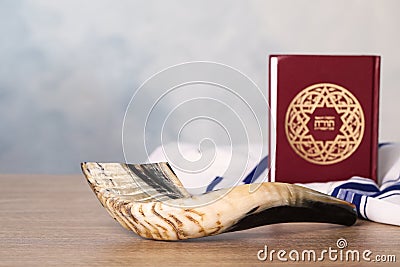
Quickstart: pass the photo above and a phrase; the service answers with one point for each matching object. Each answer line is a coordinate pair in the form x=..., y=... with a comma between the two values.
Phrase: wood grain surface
x=50, y=220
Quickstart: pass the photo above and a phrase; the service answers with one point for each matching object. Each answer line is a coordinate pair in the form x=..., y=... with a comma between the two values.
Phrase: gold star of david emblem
x=324, y=123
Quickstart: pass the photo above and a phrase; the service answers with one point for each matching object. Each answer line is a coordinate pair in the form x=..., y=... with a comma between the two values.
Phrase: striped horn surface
x=151, y=201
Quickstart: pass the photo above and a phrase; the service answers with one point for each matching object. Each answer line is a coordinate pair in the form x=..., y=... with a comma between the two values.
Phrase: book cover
x=324, y=117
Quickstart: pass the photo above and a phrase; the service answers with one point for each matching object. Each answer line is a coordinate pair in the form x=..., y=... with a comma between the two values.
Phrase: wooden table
x=56, y=220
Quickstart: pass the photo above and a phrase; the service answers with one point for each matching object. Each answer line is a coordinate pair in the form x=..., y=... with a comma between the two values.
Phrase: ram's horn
x=150, y=200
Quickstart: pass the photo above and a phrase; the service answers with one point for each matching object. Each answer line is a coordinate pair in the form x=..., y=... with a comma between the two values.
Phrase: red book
x=324, y=117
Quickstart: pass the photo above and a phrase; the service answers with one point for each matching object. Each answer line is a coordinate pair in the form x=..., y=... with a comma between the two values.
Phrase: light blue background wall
x=69, y=68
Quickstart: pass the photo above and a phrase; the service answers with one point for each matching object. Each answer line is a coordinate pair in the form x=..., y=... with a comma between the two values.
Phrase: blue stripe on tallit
x=214, y=183
x=384, y=144
x=355, y=187
x=257, y=171
x=395, y=187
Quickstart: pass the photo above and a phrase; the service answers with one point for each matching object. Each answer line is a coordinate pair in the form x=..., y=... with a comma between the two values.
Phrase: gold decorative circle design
x=306, y=123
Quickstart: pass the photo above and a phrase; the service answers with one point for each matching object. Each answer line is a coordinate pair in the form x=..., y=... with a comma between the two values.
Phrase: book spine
x=375, y=117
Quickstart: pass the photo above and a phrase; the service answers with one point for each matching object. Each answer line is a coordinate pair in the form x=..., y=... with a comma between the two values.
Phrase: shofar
x=150, y=200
